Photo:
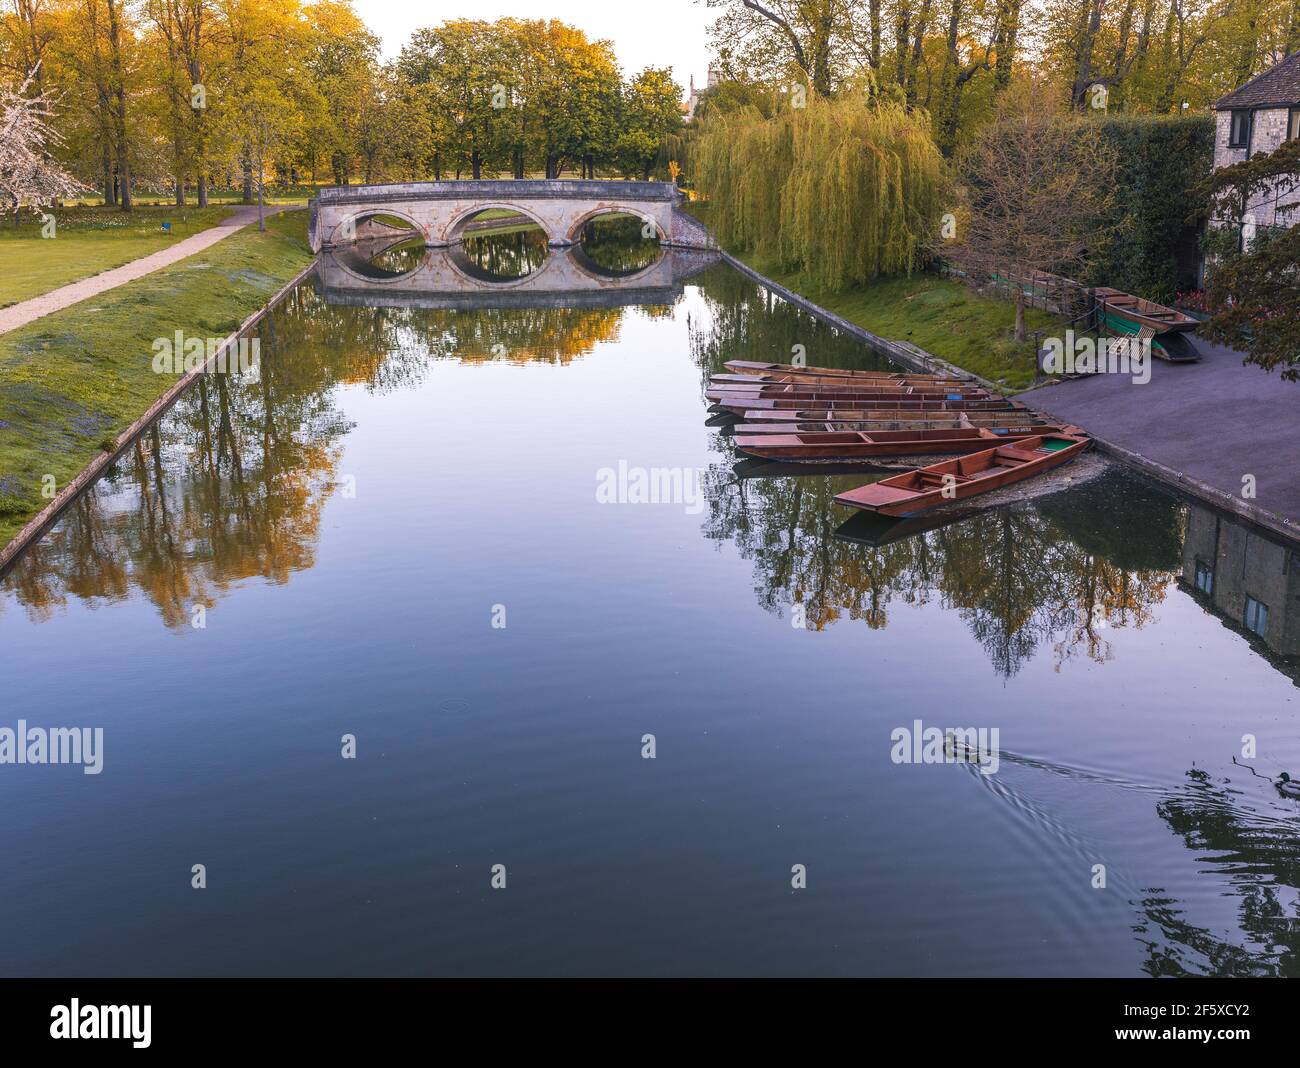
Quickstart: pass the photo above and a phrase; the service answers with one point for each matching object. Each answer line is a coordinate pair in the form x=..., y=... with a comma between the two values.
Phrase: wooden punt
x=1012, y=410
x=852, y=445
x=966, y=476
x=916, y=421
x=1139, y=312
x=751, y=367
x=811, y=397
x=755, y=380
x=743, y=405
x=1145, y=319
x=843, y=387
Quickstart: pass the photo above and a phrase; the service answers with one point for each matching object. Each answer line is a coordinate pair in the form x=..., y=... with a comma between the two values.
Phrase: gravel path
x=24, y=312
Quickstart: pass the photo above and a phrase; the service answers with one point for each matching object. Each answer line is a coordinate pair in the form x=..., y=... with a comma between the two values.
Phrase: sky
x=660, y=33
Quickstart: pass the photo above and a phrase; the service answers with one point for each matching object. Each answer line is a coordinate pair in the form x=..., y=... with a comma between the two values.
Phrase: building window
x=1239, y=135
x=1205, y=578
x=1256, y=616
x=1293, y=124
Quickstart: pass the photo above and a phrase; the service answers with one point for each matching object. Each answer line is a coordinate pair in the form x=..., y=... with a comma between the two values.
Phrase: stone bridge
x=440, y=212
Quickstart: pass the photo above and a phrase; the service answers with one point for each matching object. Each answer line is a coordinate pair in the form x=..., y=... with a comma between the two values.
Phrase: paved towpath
x=1214, y=421
x=26, y=311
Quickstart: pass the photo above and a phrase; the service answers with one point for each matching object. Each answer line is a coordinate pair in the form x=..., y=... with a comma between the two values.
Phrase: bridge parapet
x=440, y=211
x=502, y=188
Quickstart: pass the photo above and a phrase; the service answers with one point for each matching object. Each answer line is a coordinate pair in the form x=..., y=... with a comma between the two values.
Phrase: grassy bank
x=940, y=315
x=74, y=380
x=88, y=241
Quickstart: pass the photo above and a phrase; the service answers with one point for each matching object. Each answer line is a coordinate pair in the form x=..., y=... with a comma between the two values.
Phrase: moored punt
x=1145, y=319
x=966, y=476
x=916, y=421
x=842, y=388
x=1136, y=311
x=812, y=397
x=1010, y=411
x=755, y=380
x=743, y=405
x=850, y=445
x=751, y=367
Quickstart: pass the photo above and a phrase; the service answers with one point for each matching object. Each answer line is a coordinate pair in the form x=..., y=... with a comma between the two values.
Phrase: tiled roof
x=1277, y=87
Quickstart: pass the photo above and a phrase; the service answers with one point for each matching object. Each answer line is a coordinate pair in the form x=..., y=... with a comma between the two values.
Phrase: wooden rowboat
x=742, y=405
x=844, y=387
x=917, y=421
x=966, y=476
x=750, y=367
x=1139, y=312
x=1145, y=319
x=852, y=445
x=780, y=378
x=1011, y=410
x=813, y=396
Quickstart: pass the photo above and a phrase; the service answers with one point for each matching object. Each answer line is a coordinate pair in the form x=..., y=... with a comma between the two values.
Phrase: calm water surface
x=354, y=521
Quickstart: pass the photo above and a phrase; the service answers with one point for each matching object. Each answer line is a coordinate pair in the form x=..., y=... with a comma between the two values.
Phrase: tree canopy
x=176, y=96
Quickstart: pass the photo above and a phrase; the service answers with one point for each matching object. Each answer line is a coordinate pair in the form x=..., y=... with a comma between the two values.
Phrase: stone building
x=1257, y=118
x=694, y=98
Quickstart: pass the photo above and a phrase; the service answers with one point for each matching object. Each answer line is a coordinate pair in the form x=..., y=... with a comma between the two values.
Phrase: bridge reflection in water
x=388, y=273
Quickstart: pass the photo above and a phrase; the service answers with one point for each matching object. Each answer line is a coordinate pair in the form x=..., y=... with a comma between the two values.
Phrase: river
x=670, y=729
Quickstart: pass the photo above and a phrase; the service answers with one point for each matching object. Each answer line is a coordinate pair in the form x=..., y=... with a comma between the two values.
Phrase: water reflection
x=394, y=261
x=617, y=246
x=1249, y=579
x=232, y=483
x=1254, y=845
x=508, y=254
x=1020, y=577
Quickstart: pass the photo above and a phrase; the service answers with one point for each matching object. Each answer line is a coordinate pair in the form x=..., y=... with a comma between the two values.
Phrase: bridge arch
x=574, y=234
x=454, y=232
x=349, y=228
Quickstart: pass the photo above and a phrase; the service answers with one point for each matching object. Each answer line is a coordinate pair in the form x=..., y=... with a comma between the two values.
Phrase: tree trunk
x=1020, y=314
x=203, y=189
x=1083, y=77
x=873, y=6
x=901, y=31
x=248, y=179
x=180, y=192
x=476, y=165
x=1008, y=31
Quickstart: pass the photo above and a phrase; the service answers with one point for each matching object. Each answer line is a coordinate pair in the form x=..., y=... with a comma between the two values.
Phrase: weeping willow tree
x=846, y=189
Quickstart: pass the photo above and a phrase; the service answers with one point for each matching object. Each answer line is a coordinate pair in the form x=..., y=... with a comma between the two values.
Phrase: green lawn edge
x=73, y=381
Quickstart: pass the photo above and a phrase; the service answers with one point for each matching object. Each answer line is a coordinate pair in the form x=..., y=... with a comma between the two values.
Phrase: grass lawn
x=940, y=315
x=72, y=381
x=87, y=241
